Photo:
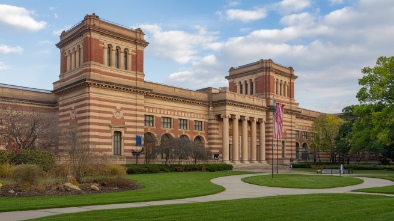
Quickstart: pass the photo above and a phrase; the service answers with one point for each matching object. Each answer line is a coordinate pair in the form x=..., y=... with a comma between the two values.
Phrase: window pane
x=182, y=124
x=166, y=122
x=149, y=120
x=198, y=125
x=117, y=149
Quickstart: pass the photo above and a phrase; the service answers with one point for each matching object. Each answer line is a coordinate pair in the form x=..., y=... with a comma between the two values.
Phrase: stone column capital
x=244, y=118
x=261, y=120
x=225, y=116
x=234, y=116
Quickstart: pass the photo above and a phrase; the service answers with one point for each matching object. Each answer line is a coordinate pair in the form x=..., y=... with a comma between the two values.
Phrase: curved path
x=235, y=189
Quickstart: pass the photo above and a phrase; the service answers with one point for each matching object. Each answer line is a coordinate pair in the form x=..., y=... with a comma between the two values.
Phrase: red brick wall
x=63, y=62
x=232, y=86
x=92, y=51
x=138, y=61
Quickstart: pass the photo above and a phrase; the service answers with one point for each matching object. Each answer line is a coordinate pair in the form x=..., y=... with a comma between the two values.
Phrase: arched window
x=240, y=88
x=251, y=87
x=117, y=58
x=109, y=56
x=246, y=87
x=117, y=148
x=125, y=59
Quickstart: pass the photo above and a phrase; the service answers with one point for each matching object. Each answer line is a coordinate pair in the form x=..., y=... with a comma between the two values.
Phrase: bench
x=333, y=171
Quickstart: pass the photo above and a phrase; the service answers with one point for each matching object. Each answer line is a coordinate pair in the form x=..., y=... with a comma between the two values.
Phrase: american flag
x=278, y=121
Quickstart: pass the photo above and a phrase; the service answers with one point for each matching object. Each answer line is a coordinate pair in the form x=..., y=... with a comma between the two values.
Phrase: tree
x=375, y=126
x=326, y=128
x=343, y=141
x=29, y=128
x=150, y=148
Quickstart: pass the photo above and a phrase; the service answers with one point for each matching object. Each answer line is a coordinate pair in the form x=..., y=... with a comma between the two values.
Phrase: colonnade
x=249, y=151
x=116, y=57
x=74, y=58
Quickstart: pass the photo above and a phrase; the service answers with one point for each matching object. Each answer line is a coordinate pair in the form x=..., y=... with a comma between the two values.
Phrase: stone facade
x=101, y=89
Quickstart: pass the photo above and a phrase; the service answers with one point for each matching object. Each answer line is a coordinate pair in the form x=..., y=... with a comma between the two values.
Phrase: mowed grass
x=302, y=181
x=312, y=207
x=161, y=186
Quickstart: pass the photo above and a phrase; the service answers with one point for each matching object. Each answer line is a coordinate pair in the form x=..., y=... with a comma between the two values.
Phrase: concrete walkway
x=235, y=189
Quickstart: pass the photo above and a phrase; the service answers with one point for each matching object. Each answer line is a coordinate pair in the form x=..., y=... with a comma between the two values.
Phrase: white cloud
x=233, y=3
x=59, y=31
x=4, y=66
x=288, y=6
x=335, y=2
x=180, y=46
x=245, y=15
x=5, y=49
x=20, y=18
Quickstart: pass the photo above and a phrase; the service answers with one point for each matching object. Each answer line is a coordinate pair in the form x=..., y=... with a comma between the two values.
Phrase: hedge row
x=328, y=165
x=160, y=168
x=45, y=159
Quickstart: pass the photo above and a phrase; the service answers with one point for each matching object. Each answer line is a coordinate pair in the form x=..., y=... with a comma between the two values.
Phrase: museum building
x=101, y=89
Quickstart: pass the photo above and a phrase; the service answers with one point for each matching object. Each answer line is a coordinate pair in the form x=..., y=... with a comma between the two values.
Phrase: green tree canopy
x=326, y=128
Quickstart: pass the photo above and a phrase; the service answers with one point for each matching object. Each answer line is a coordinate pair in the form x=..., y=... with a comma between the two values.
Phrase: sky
x=193, y=44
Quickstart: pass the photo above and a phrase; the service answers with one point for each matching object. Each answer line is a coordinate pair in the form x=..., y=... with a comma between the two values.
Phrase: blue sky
x=194, y=43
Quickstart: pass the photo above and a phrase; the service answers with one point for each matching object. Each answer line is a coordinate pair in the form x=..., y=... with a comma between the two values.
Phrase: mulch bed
x=104, y=185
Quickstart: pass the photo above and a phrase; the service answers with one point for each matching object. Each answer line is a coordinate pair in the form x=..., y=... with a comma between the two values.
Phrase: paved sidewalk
x=235, y=189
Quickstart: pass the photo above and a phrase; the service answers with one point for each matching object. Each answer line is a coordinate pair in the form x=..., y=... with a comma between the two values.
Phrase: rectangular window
x=166, y=122
x=297, y=134
x=240, y=88
x=246, y=88
x=198, y=125
x=312, y=135
x=182, y=124
x=304, y=135
x=117, y=143
x=283, y=149
x=149, y=120
x=251, y=87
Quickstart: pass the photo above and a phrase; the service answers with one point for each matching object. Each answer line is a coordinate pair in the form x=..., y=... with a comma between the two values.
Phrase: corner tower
x=101, y=84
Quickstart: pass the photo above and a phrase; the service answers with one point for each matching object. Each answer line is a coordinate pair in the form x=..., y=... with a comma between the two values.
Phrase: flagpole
x=277, y=156
x=273, y=131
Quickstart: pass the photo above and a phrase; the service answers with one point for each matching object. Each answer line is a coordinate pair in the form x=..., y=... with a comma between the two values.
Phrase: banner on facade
x=278, y=121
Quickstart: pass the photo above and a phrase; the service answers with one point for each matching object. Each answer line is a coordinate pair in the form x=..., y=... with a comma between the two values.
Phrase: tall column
x=262, y=141
x=68, y=61
x=77, y=58
x=129, y=61
x=113, y=57
x=121, y=57
x=235, y=139
x=105, y=55
x=245, y=154
x=225, y=137
x=72, y=59
x=253, y=138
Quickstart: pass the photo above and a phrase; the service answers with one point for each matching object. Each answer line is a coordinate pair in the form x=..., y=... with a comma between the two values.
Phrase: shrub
x=117, y=170
x=158, y=168
x=45, y=159
x=27, y=173
x=59, y=171
x=6, y=170
x=6, y=156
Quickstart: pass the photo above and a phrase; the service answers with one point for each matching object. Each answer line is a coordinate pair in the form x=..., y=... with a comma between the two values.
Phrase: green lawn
x=302, y=181
x=319, y=207
x=161, y=186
